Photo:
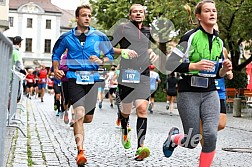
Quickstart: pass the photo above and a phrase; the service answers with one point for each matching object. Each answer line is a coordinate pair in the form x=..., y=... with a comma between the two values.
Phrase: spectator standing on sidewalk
x=134, y=77
x=17, y=61
x=84, y=45
x=199, y=57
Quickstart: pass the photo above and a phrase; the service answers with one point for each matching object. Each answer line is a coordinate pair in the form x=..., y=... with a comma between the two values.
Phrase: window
x=47, y=46
x=2, y=2
x=29, y=23
x=48, y=24
x=28, y=45
x=11, y=21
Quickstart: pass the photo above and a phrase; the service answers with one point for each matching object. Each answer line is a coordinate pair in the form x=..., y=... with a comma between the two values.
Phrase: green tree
x=233, y=20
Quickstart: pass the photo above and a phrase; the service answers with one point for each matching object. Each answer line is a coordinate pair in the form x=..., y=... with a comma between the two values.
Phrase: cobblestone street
x=50, y=142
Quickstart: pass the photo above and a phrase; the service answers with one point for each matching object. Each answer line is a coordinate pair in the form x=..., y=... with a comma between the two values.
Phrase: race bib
x=217, y=84
x=43, y=80
x=210, y=73
x=130, y=76
x=84, y=77
x=30, y=81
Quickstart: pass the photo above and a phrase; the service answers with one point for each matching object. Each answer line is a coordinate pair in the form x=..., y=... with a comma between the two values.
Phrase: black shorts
x=171, y=92
x=49, y=87
x=83, y=95
x=153, y=92
x=65, y=92
x=131, y=92
x=57, y=89
x=223, y=106
x=36, y=83
x=112, y=91
x=29, y=85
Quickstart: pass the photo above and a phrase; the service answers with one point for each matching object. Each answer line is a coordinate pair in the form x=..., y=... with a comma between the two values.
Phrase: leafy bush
x=239, y=80
x=160, y=95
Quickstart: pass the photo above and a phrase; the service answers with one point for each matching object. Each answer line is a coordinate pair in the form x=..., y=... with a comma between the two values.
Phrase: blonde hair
x=198, y=7
x=131, y=8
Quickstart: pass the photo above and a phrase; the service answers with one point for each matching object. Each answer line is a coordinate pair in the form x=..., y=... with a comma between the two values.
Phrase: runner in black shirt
x=134, y=81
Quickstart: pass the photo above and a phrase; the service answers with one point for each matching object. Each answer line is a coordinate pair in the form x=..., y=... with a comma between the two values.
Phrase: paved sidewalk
x=51, y=142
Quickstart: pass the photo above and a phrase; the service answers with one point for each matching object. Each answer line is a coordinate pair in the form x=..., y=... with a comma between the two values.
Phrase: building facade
x=39, y=23
x=4, y=10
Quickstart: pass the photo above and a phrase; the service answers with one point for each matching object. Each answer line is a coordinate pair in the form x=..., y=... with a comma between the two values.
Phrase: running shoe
x=66, y=119
x=150, y=107
x=169, y=145
x=81, y=159
x=61, y=115
x=141, y=153
x=118, y=122
x=100, y=105
x=126, y=140
x=167, y=106
x=111, y=105
x=58, y=113
x=72, y=123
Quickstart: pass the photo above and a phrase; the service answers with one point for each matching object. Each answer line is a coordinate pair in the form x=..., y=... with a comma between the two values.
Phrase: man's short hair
x=134, y=6
x=87, y=6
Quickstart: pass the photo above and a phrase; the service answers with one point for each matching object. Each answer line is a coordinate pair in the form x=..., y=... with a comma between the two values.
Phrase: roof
x=45, y=4
x=67, y=15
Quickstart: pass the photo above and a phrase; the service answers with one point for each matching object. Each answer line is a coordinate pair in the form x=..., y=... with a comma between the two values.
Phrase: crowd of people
x=78, y=79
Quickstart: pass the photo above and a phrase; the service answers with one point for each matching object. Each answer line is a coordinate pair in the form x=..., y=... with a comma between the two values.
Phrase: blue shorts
x=41, y=86
x=100, y=89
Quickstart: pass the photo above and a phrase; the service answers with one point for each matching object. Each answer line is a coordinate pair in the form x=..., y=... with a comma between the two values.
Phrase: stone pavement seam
x=10, y=158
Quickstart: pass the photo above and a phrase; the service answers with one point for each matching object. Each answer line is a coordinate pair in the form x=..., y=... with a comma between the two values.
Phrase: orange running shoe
x=118, y=122
x=81, y=159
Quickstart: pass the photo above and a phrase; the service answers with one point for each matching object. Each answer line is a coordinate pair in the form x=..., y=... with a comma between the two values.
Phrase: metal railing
x=16, y=88
x=5, y=71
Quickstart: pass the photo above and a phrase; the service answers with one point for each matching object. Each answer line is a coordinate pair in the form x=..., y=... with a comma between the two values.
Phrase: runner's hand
x=202, y=65
x=58, y=73
x=129, y=54
x=230, y=75
x=153, y=57
x=95, y=59
x=227, y=65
